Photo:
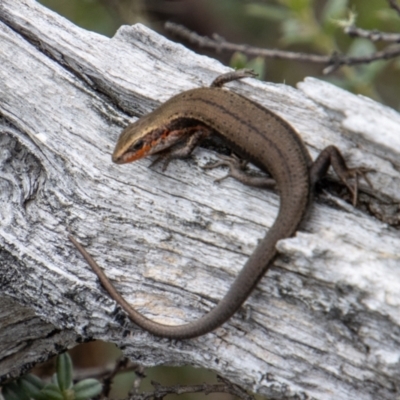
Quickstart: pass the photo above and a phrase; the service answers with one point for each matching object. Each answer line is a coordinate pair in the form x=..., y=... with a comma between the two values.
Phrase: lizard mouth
x=130, y=156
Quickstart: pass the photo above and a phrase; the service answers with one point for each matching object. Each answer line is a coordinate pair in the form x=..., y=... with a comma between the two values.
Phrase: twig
x=374, y=35
x=333, y=61
x=386, y=54
x=122, y=365
x=219, y=44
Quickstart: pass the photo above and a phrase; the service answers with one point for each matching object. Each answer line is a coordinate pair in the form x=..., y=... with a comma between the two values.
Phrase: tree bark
x=324, y=322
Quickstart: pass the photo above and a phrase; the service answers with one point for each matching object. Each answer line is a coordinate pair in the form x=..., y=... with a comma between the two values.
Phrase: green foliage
x=64, y=372
x=31, y=384
x=299, y=23
x=310, y=26
x=87, y=388
x=316, y=27
x=15, y=391
x=62, y=388
x=90, y=14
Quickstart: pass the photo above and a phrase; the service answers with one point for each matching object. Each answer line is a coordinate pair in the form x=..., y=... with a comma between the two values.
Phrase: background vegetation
x=297, y=25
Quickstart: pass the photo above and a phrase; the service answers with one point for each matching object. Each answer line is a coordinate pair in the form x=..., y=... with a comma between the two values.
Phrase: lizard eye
x=137, y=146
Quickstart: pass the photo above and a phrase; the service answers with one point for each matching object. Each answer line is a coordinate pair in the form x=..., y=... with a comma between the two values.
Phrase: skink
x=258, y=135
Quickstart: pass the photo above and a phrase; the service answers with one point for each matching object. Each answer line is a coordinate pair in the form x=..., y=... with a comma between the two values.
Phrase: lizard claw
x=355, y=173
x=229, y=161
x=233, y=162
x=165, y=159
x=237, y=168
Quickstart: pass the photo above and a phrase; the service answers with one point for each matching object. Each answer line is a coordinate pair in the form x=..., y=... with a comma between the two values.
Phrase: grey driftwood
x=324, y=322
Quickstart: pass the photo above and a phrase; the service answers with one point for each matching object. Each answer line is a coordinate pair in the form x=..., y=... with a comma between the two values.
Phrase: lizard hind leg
x=331, y=156
x=237, y=171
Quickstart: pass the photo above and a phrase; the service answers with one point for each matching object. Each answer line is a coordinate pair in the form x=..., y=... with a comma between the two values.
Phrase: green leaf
x=40, y=396
x=334, y=9
x=64, y=371
x=54, y=379
x=87, y=388
x=238, y=60
x=14, y=391
x=51, y=392
x=32, y=384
